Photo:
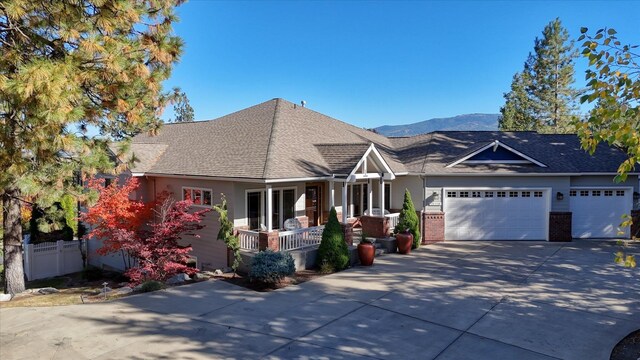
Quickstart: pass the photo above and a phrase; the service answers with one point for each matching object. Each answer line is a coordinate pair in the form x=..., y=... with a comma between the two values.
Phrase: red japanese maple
x=149, y=233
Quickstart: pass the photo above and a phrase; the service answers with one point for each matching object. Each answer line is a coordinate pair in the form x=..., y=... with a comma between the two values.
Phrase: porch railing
x=248, y=239
x=289, y=240
x=300, y=238
x=393, y=220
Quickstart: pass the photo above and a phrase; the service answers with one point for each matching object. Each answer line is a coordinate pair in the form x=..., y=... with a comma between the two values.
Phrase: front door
x=312, y=205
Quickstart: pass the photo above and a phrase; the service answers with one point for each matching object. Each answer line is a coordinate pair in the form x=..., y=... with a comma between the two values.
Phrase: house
x=277, y=161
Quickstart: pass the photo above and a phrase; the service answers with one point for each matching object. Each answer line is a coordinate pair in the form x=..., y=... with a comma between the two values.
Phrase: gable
x=496, y=153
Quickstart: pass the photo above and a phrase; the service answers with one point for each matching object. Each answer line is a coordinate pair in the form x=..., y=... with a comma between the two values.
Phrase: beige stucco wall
x=411, y=182
x=210, y=252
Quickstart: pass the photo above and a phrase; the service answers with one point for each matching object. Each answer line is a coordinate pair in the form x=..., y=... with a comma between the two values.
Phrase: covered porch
x=285, y=218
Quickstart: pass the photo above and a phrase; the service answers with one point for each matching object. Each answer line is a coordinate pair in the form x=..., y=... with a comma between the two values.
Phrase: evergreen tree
x=542, y=97
x=333, y=250
x=72, y=64
x=554, y=104
x=408, y=219
x=516, y=112
x=182, y=109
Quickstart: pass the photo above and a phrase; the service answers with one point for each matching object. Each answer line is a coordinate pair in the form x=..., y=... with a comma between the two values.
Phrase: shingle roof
x=341, y=158
x=277, y=139
x=562, y=153
x=271, y=140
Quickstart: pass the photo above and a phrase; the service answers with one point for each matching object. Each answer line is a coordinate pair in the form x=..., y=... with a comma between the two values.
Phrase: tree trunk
x=13, y=266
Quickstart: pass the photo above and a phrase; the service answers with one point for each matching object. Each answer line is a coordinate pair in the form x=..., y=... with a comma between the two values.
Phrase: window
x=464, y=194
x=387, y=197
x=476, y=194
x=608, y=193
x=572, y=193
x=537, y=194
x=199, y=196
x=358, y=197
x=451, y=194
x=488, y=194
x=619, y=192
x=595, y=193
x=283, y=204
x=513, y=194
x=526, y=194
x=584, y=192
x=502, y=194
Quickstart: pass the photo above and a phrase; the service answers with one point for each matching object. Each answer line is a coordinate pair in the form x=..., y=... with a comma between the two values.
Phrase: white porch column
x=269, y=215
x=332, y=197
x=345, y=206
x=369, y=196
x=381, y=202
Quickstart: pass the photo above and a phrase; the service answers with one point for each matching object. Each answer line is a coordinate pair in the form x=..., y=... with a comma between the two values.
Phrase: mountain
x=473, y=122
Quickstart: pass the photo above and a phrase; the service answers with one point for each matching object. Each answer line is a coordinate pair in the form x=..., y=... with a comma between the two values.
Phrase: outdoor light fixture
x=559, y=195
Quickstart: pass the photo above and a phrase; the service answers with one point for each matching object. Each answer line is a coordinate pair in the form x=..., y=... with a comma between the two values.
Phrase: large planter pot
x=366, y=253
x=405, y=241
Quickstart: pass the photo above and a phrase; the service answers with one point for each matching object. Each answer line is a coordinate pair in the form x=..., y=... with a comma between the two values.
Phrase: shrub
x=409, y=219
x=271, y=267
x=151, y=285
x=333, y=249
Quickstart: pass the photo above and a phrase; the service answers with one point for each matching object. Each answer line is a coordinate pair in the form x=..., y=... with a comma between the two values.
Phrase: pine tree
x=66, y=65
x=181, y=106
x=516, y=112
x=554, y=104
x=542, y=97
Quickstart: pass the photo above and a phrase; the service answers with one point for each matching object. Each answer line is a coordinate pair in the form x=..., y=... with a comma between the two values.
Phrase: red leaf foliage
x=148, y=232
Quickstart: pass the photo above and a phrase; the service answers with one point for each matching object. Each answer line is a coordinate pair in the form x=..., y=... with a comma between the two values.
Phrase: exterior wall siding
x=210, y=252
x=604, y=180
x=415, y=186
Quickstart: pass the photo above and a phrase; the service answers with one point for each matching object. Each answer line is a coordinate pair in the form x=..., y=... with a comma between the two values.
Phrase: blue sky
x=372, y=63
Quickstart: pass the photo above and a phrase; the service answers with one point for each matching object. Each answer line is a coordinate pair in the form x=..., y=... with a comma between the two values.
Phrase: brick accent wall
x=375, y=226
x=635, y=227
x=268, y=240
x=347, y=229
x=304, y=221
x=432, y=227
x=560, y=226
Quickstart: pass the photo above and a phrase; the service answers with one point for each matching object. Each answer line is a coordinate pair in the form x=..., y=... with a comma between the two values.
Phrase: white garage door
x=496, y=214
x=597, y=212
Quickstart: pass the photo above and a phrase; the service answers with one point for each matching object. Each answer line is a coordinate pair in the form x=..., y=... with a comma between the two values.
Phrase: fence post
x=59, y=257
x=28, y=259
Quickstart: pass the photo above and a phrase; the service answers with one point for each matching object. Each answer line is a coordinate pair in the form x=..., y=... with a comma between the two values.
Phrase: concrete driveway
x=458, y=300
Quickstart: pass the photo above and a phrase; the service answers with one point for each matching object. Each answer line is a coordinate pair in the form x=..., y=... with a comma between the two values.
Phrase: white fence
x=112, y=261
x=52, y=259
x=300, y=238
x=248, y=239
x=289, y=240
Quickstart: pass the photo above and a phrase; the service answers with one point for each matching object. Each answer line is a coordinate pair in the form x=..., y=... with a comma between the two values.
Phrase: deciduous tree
x=72, y=64
x=147, y=233
x=614, y=85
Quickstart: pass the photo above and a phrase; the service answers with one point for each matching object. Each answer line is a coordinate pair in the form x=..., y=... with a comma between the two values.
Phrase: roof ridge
x=426, y=156
x=276, y=111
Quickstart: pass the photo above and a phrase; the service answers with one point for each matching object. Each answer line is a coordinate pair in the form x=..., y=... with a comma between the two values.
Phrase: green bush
x=409, y=220
x=271, y=267
x=150, y=285
x=333, y=249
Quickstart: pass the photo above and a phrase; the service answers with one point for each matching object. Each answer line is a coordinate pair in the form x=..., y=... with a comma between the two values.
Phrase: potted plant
x=404, y=239
x=366, y=251
x=407, y=223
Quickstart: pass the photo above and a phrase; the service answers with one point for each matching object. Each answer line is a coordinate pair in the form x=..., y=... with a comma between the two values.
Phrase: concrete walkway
x=461, y=300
